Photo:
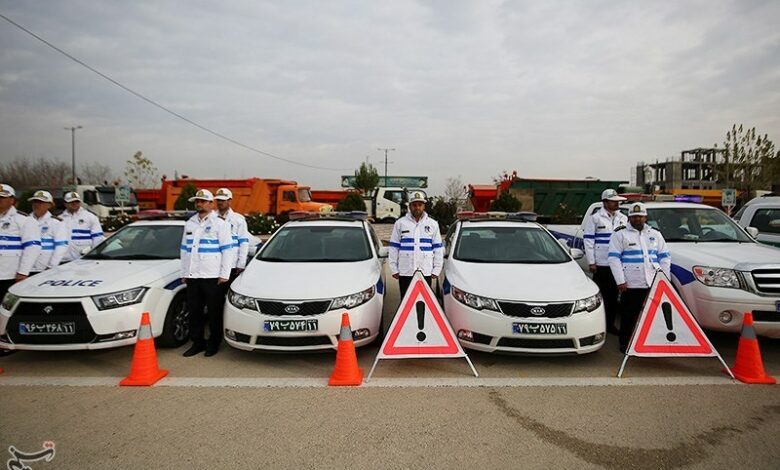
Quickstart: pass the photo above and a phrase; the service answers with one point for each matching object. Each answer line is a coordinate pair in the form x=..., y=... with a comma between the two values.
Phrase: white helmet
x=611, y=195
x=417, y=196
x=637, y=208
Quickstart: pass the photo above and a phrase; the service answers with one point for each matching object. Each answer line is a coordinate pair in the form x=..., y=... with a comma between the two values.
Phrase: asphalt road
x=241, y=409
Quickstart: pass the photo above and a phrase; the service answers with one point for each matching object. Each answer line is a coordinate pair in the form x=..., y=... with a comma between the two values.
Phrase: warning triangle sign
x=666, y=328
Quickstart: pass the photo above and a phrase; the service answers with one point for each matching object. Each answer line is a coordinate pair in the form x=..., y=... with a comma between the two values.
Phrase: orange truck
x=267, y=196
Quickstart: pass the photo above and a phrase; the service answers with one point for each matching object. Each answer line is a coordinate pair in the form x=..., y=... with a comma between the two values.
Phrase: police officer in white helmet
x=599, y=227
x=20, y=242
x=415, y=245
x=53, y=232
x=238, y=229
x=207, y=257
x=636, y=253
x=83, y=227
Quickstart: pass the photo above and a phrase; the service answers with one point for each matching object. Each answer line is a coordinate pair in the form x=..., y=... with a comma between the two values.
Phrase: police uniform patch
x=44, y=229
x=6, y=225
x=208, y=228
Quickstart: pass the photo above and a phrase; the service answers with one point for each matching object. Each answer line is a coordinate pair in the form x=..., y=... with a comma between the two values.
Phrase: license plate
x=290, y=325
x=539, y=328
x=47, y=328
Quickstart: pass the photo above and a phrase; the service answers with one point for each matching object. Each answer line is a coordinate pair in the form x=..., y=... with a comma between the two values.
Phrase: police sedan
x=96, y=302
x=292, y=294
x=510, y=286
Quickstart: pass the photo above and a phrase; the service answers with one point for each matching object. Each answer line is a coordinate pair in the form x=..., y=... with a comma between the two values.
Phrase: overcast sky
x=459, y=88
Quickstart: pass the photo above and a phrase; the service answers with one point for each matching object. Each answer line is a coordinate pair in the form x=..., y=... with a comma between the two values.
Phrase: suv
x=763, y=214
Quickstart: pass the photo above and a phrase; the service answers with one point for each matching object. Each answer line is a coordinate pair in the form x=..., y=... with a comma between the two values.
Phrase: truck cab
x=389, y=204
x=292, y=197
x=100, y=200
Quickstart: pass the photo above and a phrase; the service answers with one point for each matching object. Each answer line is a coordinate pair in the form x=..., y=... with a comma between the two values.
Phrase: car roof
x=764, y=201
x=671, y=205
x=500, y=223
x=321, y=222
x=159, y=222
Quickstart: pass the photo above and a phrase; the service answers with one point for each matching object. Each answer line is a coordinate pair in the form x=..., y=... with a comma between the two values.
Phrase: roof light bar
x=305, y=215
x=524, y=216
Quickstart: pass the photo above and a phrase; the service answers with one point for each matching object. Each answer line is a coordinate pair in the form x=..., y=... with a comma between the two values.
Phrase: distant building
x=695, y=169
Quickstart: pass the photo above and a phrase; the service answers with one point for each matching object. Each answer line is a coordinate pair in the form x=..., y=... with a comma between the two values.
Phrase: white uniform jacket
x=240, y=236
x=416, y=246
x=207, y=249
x=597, y=232
x=20, y=244
x=84, y=231
x=634, y=256
x=54, y=242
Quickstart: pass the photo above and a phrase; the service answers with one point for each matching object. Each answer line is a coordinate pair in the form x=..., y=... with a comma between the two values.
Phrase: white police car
x=510, y=286
x=314, y=268
x=96, y=302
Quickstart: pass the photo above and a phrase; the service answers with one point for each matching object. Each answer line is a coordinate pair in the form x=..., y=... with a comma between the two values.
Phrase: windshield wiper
x=139, y=257
x=272, y=259
x=96, y=256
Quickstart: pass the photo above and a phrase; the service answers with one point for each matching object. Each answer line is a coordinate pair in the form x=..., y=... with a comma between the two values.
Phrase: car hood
x=302, y=281
x=82, y=277
x=524, y=282
x=742, y=256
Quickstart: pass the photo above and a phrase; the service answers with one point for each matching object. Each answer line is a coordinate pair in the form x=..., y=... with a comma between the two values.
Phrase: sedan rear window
x=317, y=244
x=508, y=245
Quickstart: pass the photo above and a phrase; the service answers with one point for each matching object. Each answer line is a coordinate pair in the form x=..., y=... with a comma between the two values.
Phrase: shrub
x=506, y=202
x=353, y=202
x=259, y=224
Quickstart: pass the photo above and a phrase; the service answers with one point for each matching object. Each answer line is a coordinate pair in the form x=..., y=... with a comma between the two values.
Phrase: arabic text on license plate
x=290, y=325
x=539, y=328
x=47, y=328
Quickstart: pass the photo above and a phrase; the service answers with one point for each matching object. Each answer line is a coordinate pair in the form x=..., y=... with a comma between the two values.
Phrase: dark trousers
x=405, y=281
x=609, y=291
x=631, y=303
x=205, y=299
x=4, y=285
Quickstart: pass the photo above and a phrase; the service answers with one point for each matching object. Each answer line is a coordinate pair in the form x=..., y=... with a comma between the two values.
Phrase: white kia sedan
x=509, y=286
x=314, y=268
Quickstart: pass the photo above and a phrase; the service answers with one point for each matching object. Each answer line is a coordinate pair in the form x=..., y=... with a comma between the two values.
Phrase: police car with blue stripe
x=96, y=301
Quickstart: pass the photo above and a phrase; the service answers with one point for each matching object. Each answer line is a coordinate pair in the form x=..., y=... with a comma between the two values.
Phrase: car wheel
x=176, y=330
x=387, y=220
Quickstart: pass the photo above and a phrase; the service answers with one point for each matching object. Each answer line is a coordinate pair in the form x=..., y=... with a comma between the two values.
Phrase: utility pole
x=73, y=151
x=386, y=149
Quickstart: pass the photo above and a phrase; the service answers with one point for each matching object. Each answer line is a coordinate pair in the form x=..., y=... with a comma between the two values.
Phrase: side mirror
x=576, y=253
x=383, y=252
x=85, y=250
x=752, y=231
x=253, y=249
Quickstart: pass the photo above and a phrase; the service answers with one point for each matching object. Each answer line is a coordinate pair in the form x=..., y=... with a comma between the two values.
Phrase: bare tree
x=27, y=173
x=97, y=174
x=141, y=172
x=455, y=191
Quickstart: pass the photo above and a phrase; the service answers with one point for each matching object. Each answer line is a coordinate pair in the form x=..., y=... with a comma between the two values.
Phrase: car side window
x=374, y=238
x=448, y=238
x=766, y=220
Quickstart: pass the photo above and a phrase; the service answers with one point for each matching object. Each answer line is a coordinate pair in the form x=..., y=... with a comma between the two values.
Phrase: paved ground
x=241, y=409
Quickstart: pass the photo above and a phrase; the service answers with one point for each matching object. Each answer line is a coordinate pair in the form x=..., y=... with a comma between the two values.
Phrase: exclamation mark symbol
x=420, y=320
x=667, y=308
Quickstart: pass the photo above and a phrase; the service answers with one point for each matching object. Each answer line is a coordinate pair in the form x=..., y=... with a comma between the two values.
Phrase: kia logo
x=537, y=311
x=292, y=309
x=48, y=309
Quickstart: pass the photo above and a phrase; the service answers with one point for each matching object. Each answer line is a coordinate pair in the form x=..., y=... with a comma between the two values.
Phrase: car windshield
x=508, y=245
x=317, y=244
x=139, y=242
x=695, y=225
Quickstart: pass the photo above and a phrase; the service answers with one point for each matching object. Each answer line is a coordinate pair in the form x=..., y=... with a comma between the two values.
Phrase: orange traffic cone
x=144, y=370
x=346, y=371
x=749, y=368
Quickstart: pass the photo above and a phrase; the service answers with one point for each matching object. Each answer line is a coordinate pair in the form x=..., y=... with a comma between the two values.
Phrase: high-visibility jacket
x=239, y=234
x=416, y=245
x=20, y=244
x=84, y=231
x=597, y=232
x=54, y=242
x=635, y=256
x=207, y=249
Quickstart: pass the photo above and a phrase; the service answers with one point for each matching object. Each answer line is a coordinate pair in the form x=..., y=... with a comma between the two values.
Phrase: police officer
x=415, y=245
x=20, y=243
x=207, y=256
x=53, y=233
x=238, y=229
x=83, y=227
x=636, y=253
x=598, y=230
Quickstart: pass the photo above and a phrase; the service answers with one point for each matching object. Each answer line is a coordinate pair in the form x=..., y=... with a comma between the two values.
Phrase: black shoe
x=7, y=352
x=623, y=349
x=211, y=350
x=194, y=349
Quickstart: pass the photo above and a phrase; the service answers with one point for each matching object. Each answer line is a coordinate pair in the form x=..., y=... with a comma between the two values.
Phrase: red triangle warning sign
x=420, y=328
x=666, y=328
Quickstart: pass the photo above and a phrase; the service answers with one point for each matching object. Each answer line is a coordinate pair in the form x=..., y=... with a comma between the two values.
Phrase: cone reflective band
x=749, y=367
x=346, y=371
x=144, y=370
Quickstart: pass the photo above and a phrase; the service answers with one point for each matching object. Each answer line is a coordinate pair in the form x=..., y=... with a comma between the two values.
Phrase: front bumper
x=247, y=328
x=492, y=331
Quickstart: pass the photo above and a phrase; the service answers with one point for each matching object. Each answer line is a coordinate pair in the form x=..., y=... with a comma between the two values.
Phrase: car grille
x=277, y=309
x=58, y=312
x=518, y=309
x=767, y=280
x=293, y=341
x=766, y=315
x=526, y=343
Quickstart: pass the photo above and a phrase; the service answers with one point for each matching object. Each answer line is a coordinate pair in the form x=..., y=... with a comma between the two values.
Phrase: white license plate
x=539, y=328
x=290, y=325
x=47, y=328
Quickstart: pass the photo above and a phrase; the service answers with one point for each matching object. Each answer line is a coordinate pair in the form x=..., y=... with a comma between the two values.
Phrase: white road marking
x=258, y=382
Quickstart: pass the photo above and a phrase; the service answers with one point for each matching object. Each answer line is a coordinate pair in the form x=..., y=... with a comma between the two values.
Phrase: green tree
x=183, y=201
x=443, y=210
x=506, y=202
x=353, y=202
x=751, y=161
x=366, y=178
x=141, y=172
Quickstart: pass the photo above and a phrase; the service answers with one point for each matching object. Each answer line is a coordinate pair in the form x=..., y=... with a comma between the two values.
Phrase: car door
x=767, y=221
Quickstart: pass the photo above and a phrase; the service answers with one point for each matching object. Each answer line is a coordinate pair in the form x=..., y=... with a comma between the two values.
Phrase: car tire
x=387, y=220
x=176, y=329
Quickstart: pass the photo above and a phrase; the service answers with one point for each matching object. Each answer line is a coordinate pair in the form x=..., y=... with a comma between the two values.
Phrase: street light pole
x=73, y=151
x=386, y=149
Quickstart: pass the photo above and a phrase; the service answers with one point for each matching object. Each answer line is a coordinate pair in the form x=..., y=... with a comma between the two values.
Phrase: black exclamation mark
x=667, y=308
x=420, y=320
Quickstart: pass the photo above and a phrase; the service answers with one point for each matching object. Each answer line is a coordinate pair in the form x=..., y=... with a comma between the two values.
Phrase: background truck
x=101, y=200
x=267, y=196
x=384, y=205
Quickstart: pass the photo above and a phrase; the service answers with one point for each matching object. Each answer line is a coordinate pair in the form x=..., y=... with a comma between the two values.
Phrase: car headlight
x=241, y=301
x=716, y=277
x=10, y=301
x=352, y=301
x=119, y=299
x=588, y=305
x=474, y=301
